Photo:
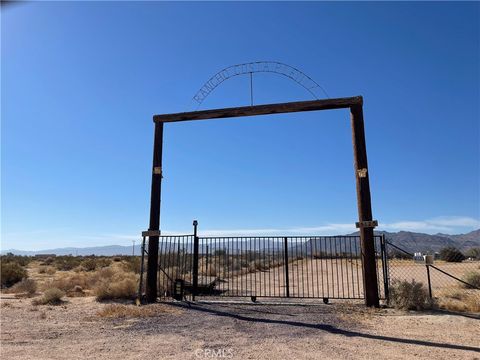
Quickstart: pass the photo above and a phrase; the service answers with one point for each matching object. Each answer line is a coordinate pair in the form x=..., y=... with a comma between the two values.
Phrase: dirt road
x=233, y=331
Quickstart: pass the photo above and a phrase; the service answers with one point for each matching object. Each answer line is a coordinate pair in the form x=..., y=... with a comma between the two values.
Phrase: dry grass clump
x=132, y=311
x=121, y=285
x=69, y=281
x=409, y=295
x=460, y=300
x=49, y=270
x=473, y=278
x=26, y=286
x=52, y=296
x=125, y=311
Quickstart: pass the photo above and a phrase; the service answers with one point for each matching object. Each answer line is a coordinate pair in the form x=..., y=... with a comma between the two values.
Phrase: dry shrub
x=89, y=264
x=77, y=291
x=48, y=261
x=26, y=286
x=473, y=278
x=121, y=285
x=11, y=273
x=66, y=263
x=49, y=270
x=211, y=271
x=132, y=264
x=68, y=282
x=52, y=296
x=257, y=266
x=462, y=301
x=407, y=295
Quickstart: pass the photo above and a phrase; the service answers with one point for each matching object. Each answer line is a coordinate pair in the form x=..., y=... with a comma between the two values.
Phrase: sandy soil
x=238, y=331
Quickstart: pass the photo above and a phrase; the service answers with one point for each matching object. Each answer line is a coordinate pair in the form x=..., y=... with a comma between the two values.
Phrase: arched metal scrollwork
x=255, y=67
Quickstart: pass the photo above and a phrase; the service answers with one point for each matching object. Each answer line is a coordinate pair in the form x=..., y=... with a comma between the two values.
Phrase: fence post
x=386, y=280
x=287, y=282
x=369, y=265
x=195, y=260
x=140, y=285
x=429, y=282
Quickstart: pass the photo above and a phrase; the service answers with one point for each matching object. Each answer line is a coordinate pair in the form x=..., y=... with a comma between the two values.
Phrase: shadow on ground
x=332, y=329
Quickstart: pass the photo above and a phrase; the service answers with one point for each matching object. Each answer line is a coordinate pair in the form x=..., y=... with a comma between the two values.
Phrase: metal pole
x=385, y=268
x=141, y=270
x=195, y=260
x=152, y=265
x=287, y=281
x=429, y=282
x=251, y=89
x=206, y=259
x=364, y=207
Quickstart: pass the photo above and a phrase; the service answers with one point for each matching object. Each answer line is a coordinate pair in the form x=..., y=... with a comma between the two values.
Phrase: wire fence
x=451, y=278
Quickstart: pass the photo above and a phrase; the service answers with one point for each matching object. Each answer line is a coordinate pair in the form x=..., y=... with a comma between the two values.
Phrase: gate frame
x=365, y=223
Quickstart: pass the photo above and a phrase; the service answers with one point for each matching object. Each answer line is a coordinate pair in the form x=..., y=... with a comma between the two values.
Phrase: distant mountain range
x=409, y=241
x=413, y=242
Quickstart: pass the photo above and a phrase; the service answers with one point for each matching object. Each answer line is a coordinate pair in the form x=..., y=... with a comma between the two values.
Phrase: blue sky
x=81, y=81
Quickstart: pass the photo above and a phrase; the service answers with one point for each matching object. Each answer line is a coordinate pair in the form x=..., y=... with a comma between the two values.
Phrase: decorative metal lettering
x=255, y=67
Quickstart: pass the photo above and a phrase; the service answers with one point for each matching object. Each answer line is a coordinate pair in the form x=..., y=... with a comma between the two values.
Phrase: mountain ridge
x=407, y=240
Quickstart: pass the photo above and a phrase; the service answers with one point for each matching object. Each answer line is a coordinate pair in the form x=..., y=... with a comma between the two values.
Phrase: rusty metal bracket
x=366, y=224
x=151, y=233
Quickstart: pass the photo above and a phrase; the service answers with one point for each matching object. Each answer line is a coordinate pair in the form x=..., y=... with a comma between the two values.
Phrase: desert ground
x=82, y=328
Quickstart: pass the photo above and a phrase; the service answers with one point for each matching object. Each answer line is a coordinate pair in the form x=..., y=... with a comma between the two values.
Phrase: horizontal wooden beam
x=327, y=104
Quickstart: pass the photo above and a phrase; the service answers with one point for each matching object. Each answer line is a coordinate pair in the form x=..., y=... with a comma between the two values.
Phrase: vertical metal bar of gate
x=195, y=261
x=287, y=282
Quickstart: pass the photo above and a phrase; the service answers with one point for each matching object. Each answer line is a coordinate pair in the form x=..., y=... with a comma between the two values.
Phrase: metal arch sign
x=256, y=67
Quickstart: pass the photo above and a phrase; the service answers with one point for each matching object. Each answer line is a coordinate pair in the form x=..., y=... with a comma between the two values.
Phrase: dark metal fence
x=325, y=267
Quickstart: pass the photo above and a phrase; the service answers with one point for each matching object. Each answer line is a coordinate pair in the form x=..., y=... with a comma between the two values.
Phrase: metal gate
x=325, y=267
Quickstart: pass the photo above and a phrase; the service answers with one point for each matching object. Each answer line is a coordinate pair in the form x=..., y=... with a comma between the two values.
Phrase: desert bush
x=77, y=291
x=67, y=283
x=132, y=264
x=27, y=286
x=89, y=264
x=473, y=253
x=411, y=295
x=66, y=263
x=473, y=278
x=451, y=254
x=11, y=273
x=257, y=266
x=48, y=261
x=122, y=285
x=211, y=271
x=52, y=296
x=20, y=260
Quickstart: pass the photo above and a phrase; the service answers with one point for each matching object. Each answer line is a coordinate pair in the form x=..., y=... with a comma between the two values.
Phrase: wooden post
x=155, y=199
x=364, y=207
